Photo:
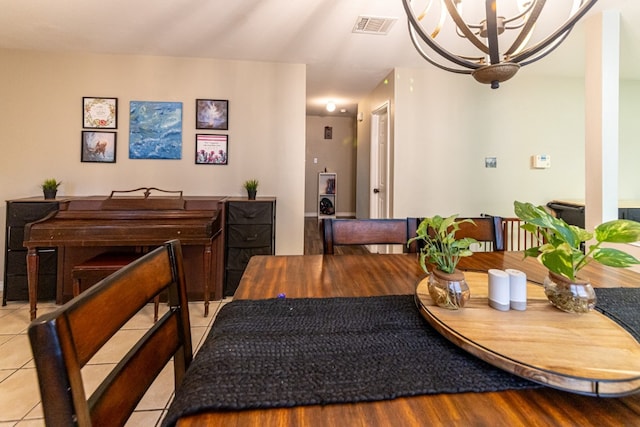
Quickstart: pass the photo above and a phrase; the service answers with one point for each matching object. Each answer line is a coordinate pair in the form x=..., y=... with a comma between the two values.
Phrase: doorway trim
x=380, y=133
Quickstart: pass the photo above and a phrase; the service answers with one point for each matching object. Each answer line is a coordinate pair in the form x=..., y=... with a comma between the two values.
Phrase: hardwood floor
x=313, y=240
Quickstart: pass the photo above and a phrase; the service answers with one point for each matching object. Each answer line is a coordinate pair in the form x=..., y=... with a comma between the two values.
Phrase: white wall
x=41, y=124
x=383, y=93
x=629, y=147
x=446, y=125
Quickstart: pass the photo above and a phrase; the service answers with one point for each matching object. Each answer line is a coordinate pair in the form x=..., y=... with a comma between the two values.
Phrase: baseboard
x=338, y=215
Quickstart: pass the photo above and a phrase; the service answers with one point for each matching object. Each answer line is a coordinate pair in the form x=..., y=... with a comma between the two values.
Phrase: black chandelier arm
x=426, y=57
x=528, y=27
x=519, y=16
x=548, y=51
x=416, y=28
x=492, y=31
x=560, y=32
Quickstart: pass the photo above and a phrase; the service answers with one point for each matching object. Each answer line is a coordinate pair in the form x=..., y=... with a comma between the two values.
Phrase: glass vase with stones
x=572, y=296
x=448, y=290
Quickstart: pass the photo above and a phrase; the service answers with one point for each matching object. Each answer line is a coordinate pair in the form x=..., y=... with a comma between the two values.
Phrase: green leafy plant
x=51, y=184
x=561, y=250
x=251, y=185
x=440, y=246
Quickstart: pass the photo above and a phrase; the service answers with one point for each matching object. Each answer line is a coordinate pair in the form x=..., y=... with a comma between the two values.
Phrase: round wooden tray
x=582, y=353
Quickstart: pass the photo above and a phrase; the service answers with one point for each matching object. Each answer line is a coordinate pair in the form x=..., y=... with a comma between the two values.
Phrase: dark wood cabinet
x=19, y=213
x=250, y=230
x=629, y=213
x=573, y=212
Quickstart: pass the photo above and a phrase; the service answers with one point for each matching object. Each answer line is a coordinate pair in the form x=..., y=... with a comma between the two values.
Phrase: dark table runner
x=289, y=352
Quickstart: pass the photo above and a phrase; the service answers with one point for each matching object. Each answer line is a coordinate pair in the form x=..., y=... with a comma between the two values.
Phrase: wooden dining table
x=323, y=276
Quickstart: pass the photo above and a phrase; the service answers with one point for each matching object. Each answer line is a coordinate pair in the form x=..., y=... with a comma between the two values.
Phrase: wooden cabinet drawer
x=19, y=290
x=15, y=238
x=24, y=213
x=232, y=281
x=250, y=213
x=238, y=258
x=249, y=236
x=17, y=262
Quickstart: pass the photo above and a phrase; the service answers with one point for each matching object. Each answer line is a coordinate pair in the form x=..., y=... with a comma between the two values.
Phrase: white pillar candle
x=517, y=289
x=498, y=290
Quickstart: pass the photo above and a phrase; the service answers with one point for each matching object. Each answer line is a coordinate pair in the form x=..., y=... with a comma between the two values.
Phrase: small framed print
x=100, y=113
x=98, y=147
x=328, y=132
x=212, y=149
x=212, y=114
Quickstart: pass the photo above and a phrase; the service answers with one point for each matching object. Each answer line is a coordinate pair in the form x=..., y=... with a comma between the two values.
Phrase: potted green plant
x=562, y=254
x=251, y=186
x=441, y=250
x=50, y=188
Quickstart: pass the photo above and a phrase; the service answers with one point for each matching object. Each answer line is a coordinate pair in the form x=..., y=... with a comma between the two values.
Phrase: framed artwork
x=99, y=113
x=155, y=130
x=328, y=132
x=212, y=114
x=212, y=149
x=98, y=147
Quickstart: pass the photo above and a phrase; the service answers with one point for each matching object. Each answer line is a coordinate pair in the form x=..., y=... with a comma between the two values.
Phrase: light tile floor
x=19, y=393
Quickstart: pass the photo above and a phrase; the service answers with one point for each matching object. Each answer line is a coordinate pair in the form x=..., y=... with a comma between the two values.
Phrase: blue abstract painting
x=155, y=130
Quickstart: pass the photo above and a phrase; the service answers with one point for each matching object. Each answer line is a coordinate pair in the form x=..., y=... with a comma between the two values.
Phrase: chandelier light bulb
x=331, y=106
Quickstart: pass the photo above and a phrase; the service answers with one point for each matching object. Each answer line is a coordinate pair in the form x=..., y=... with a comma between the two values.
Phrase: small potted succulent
x=561, y=251
x=251, y=186
x=50, y=188
x=441, y=250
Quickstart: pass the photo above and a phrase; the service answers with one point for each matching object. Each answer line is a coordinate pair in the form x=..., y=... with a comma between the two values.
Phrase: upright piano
x=84, y=227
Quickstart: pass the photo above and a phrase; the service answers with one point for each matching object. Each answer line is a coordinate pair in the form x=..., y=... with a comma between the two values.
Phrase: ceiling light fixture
x=499, y=36
x=331, y=106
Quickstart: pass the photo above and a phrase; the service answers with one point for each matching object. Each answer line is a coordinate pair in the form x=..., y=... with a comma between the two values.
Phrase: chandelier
x=492, y=38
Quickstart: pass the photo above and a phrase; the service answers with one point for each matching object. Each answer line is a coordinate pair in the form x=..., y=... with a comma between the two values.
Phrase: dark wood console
x=20, y=213
x=250, y=231
x=84, y=227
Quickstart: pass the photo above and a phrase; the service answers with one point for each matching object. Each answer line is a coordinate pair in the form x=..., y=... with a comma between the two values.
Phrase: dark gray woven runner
x=622, y=305
x=289, y=352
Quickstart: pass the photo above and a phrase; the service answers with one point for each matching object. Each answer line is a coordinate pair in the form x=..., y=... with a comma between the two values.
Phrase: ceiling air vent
x=373, y=25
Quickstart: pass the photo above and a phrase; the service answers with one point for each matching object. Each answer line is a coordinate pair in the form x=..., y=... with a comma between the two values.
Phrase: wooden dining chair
x=487, y=231
x=64, y=340
x=349, y=232
x=517, y=239
x=91, y=271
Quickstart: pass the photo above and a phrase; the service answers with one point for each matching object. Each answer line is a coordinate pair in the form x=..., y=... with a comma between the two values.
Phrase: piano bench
x=97, y=268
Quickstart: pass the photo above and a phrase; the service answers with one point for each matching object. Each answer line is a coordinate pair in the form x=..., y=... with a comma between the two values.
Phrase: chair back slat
x=517, y=239
x=368, y=232
x=64, y=340
x=487, y=231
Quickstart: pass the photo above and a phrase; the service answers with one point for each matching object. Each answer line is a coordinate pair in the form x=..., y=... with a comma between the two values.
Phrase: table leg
x=33, y=261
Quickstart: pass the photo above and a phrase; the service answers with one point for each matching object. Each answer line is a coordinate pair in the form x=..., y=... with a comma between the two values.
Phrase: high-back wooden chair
x=487, y=231
x=369, y=232
x=517, y=239
x=64, y=340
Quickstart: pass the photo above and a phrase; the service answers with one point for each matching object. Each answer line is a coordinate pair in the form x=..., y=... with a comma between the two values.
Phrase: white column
x=602, y=117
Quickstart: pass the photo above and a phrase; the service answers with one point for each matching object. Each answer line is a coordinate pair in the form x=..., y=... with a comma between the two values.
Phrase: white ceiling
x=341, y=66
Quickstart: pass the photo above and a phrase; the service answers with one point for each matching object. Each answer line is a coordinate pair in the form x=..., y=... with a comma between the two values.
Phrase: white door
x=380, y=190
